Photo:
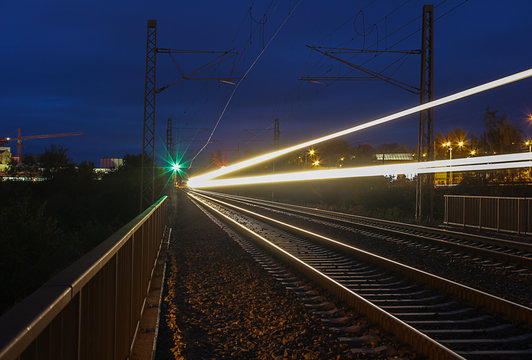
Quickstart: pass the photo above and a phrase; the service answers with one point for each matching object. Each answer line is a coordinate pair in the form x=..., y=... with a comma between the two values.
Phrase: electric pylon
x=170, y=140
x=276, y=133
x=147, y=177
x=276, y=136
x=425, y=182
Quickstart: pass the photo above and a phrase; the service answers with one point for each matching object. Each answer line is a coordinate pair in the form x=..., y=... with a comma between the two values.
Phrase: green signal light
x=176, y=167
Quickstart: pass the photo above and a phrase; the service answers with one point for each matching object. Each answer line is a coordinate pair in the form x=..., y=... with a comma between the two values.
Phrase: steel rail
x=336, y=268
x=420, y=342
x=394, y=228
x=518, y=314
x=91, y=309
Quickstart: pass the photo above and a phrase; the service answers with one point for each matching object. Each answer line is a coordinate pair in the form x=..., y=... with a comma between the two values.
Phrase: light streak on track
x=483, y=163
x=194, y=181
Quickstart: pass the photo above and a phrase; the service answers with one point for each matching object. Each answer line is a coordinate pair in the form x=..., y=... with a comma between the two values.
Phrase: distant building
x=5, y=158
x=448, y=178
x=111, y=163
x=394, y=157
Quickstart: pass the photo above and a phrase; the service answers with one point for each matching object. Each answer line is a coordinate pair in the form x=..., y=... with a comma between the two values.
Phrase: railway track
x=506, y=255
x=439, y=318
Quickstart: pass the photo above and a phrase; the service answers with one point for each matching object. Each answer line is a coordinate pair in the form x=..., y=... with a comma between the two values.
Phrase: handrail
x=488, y=197
x=502, y=214
x=92, y=308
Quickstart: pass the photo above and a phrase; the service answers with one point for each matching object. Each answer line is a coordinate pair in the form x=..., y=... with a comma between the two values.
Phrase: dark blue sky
x=79, y=66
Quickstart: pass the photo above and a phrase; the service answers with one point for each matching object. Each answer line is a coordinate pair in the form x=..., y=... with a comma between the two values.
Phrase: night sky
x=79, y=66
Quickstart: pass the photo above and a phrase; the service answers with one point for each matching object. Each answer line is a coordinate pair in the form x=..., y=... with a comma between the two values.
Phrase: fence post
x=464, y=211
x=480, y=212
x=518, y=217
x=445, y=218
x=115, y=306
x=498, y=212
x=132, y=279
x=528, y=212
x=80, y=309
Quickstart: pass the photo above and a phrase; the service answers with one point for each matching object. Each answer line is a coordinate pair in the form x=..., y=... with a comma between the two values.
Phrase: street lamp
x=529, y=144
x=316, y=163
x=310, y=154
x=448, y=146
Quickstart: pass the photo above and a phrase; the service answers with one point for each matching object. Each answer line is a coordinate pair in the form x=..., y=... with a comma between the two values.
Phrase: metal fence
x=507, y=214
x=92, y=309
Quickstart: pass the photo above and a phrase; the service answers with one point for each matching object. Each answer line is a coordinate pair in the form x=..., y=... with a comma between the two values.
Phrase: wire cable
x=244, y=76
x=438, y=18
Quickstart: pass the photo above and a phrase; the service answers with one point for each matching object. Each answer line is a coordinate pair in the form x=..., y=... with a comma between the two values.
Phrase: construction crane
x=32, y=137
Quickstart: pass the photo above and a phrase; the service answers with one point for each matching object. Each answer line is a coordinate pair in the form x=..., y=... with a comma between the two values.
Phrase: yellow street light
x=529, y=144
x=311, y=152
x=342, y=158
x=448, y=146
x=316, y=163
x=461, y=143
x=472, y=152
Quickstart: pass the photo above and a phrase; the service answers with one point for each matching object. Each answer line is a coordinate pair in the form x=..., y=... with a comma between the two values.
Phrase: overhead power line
x=243, y=77
x=413, y=110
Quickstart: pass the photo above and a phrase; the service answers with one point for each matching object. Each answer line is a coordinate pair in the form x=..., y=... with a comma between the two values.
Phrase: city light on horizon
x=272, y=155
x=482, y=163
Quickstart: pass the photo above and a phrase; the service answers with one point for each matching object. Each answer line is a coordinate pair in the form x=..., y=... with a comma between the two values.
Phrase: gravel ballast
x=516, y=288
x=218, y=303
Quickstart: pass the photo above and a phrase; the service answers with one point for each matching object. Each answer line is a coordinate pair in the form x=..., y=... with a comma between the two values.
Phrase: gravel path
x=218, y=303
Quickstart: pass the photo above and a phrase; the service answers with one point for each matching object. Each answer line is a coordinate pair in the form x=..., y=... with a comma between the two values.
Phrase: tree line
x=499, y=136
x=394, y=197
x=46, y=225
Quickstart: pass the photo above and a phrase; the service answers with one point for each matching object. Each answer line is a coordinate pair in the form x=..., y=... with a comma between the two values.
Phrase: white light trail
x=269, y=156
x=494, y=162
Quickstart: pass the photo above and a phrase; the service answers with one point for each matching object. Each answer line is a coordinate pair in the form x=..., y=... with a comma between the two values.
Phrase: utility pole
x=425, y=182
x=147, y=177
x=276, y=133
x=170, y=140
x=170, y=150
x=276, y=136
